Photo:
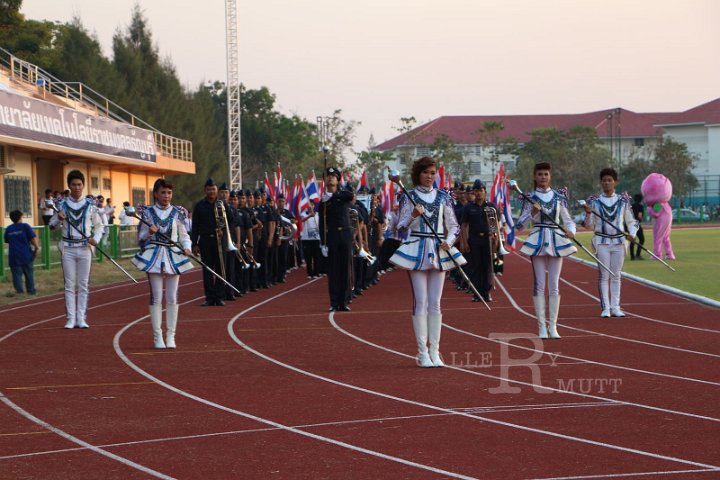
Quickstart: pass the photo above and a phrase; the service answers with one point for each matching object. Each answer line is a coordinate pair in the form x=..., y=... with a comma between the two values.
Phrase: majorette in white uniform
x=163, y=264
x=77, y=254
x=421, y=254
x=547, y=245
x=611, y=245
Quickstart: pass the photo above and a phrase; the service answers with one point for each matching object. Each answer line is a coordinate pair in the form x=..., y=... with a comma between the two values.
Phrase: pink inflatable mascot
x=657, y=190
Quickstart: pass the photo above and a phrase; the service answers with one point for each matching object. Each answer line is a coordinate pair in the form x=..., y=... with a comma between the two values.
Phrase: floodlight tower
x=233, y=95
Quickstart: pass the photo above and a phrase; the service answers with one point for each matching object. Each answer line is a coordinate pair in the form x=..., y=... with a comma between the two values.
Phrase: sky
x=380, y=60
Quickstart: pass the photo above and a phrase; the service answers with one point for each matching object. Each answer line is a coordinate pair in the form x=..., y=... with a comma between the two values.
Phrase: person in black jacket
x=207, y=240
x=336, y=234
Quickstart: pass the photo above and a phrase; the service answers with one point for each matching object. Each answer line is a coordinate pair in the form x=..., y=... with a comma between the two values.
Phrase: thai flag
x=449, y=182
x=441, y=176
x=500, y=195
x=311, y=188
x=278, y=183
x=269, y=189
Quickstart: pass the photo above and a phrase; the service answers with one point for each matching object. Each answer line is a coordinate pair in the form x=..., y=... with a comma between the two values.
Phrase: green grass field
x=697, y=252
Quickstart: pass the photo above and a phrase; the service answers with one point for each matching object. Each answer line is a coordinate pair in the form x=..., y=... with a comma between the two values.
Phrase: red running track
x=272, y=386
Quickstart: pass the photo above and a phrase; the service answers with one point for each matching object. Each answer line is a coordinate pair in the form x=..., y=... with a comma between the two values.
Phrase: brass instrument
x=250, y=257
x=220, y=219
x=287, y=229
x=496, y=242
x=358, y=250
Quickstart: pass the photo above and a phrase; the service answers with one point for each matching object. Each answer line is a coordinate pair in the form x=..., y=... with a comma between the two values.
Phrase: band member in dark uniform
x=639, y=215
x=283, y=245
x=477, y=240
x=253, y=199
x=336, y=234
x=245, y=245
x=375, y=228
x=207, y=240
x=230, y=257
x=265, y=239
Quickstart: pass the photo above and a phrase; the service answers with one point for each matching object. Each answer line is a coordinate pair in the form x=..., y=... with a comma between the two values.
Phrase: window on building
x=639, y=142
x=17, y=195
x=94, y=183
x=475, y=168
x=138, y=196
x=107, y=184
x=423, y=151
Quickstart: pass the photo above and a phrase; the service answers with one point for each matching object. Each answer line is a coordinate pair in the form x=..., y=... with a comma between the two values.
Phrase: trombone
x=496, y=241
x=359, y=251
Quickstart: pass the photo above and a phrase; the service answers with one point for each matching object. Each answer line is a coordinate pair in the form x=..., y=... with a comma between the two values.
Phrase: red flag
x=363, y=182
x=441, y=176
x=268, y=188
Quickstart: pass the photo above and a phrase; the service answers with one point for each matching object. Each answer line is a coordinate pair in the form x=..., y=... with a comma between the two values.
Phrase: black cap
x=332, y=171
x=372, y=191
x=468, y=189
x=363, y=189
x=233, y=194
x=478, y=185
x=223, y=186
x=248, y=193
x=257, y=194
x=281, y=197
x=241, y=193
x=209, y=182
x=349, y=187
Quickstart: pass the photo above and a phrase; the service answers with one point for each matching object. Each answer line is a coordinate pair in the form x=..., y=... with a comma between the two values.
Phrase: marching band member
x=207, y=240
x=546, y=246
x=477, y=239
x=77, y=214
x=612, y=214
x=161, y=260
x=425, y=259
x=310, y=240
x=336, y=234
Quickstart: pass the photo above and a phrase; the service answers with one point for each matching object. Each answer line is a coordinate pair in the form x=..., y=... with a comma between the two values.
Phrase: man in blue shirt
x=20, y=236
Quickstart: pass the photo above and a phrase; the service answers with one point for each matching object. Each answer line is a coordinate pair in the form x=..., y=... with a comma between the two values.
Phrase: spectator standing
x=46, y=211
x=23, y=248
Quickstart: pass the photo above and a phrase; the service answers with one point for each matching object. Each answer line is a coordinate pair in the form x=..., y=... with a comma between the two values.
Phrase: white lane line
x=76, y=440
x=129, y=363
x=569, y=357
x=529, y=384
x=637, y=280
x=626, y=475
x=340, y=423
x=447, y=410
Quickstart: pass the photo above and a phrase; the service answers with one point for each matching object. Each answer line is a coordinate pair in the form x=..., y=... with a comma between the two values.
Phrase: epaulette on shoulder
x=182, y=213
x=625, y=197
x=592, y=198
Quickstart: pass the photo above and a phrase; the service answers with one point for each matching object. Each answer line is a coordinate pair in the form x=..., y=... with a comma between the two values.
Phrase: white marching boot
x=171, y=313
x=156, y=321
x=420, y=325
x=554, y=305
x=539, y=302
x=434, y=329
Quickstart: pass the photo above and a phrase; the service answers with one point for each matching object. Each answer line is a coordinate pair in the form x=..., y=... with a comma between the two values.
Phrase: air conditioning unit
x=7, y=163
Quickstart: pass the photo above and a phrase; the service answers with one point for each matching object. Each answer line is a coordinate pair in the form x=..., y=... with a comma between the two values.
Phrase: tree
x=405, y=152
x=374, y=162
x=673, y=160
x=576, y=156
x=445, y=152
x=490, y=136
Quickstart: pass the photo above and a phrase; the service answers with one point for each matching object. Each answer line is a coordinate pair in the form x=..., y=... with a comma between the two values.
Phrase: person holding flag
x=499, y=195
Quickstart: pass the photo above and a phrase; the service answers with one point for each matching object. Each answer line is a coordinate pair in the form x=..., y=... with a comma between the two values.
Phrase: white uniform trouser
x=613, y=256
x=156, y=281
x=427, y=288
x=76, y=263
x=553, y=265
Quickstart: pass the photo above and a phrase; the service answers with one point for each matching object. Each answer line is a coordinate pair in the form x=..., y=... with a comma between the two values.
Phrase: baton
x=394, y=176
x=513, y=184
x=133, y=213
x=582, y=203
x=50, y=204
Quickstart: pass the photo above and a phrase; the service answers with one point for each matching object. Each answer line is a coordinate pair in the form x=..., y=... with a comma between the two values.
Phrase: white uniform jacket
x=615, y=210
x=156, y=254
x=419, y=249
x=84, y=216
x=545, y=238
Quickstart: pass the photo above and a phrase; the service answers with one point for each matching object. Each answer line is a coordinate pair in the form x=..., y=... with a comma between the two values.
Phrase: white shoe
x=436, y=359
x=156, y=322
x=82, y=324
x=70, y=324
x=605, y=313
x=616, y=312
x=423, y=360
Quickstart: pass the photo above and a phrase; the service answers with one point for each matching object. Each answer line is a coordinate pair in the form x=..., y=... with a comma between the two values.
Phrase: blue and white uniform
x=419, y=249
x=611, y=245
x=77, y=254
x=156, y=254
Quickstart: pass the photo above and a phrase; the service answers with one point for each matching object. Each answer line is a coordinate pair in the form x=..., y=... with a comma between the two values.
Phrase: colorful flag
x=268, y=188
x=449, y=181
x=441, y=176
x=311, y=189
x=500, y=196
x=278, y=183
x=363, y=181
